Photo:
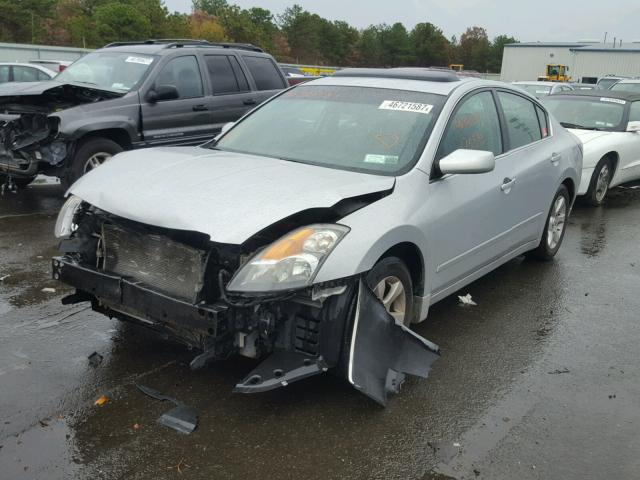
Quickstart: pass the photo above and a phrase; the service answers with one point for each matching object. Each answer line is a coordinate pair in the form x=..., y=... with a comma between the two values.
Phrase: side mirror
x=162, y=92
x=633, y=126
x=467, y=161
x=226, y=127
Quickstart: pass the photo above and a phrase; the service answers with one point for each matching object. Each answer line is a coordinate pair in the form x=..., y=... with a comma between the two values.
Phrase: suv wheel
x=555, y=226
x=91, y=154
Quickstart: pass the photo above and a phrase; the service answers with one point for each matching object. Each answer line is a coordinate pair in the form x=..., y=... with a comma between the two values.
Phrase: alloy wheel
x=602, y=183
x=390, y=292
x=96, y=160
x=556, y=224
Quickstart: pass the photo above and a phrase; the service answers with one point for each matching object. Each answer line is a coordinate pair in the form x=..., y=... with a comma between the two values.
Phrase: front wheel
x=555, y=226
x=90, y=154
x=599, y=185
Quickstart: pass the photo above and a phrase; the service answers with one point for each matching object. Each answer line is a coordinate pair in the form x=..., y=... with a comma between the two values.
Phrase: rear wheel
x=599, y=185
x=555, y=226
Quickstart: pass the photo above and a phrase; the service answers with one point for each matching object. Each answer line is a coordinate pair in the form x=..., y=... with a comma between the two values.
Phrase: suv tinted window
x=184, y=74
x=224, y=78
x=265, y=72
x=474, y=125
x=522, y=119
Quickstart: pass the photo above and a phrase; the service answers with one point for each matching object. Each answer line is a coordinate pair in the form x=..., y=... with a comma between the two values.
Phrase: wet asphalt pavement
x=541, y=380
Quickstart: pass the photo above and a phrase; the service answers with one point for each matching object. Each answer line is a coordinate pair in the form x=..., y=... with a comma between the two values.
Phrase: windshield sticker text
x=381, y=159
x=612, y=100
x=406, y=106
x=140, y=60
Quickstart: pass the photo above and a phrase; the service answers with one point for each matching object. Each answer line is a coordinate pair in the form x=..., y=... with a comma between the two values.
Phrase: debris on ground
x=43, y=423
x=179, y=466
x=181, y=418
x=102, y=399
x=48, y=290
x=466, y=300
x=4, y=277
x=95, y=359
x=556, y=371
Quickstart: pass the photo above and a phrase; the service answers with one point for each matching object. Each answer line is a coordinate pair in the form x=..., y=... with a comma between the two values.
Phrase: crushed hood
x=228, y=196
x=586, y=136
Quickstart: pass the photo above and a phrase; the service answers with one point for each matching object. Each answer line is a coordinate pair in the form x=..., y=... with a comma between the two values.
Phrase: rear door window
x=184, y=74
x=265, y=73
x=4, y=73
x=523, y=126
x=475, y=125
x=224, y=77
x=24, y=74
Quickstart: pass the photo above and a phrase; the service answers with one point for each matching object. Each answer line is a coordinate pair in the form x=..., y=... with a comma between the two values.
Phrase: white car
x=627, y=85
x=608, y=124
x=24, y=72
x=543, y=89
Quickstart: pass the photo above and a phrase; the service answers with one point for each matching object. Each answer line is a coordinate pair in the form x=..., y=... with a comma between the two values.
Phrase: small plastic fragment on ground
x=466, y=300
x=95, y=359
x=4, y=277
x=48, y=290
x=181, y=418
x=136, y=426
x=557, y=371
x=178, y=466
x=102, y=399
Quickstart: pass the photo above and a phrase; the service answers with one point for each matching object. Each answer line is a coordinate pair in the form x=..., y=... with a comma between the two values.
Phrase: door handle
x=199, y=108
x=249, y=101
x=507, y=184
x=555, y=158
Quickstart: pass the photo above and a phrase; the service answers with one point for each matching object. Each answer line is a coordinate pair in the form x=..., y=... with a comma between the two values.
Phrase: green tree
x=303, y=32
x=396, y=46
x=21, y=20
x=117, y=21
x=497, y=50
x=475, y=49
x=430, y=46
x=369, y=47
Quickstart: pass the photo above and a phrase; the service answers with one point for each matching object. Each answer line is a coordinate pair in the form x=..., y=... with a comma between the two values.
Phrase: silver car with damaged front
x=323, y=223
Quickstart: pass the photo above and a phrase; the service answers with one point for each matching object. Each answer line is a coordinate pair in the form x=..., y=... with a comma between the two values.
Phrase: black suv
x=125, y=96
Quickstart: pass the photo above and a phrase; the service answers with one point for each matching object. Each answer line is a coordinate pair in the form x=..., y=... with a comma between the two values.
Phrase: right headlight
x=290, y=262
x=64, y=224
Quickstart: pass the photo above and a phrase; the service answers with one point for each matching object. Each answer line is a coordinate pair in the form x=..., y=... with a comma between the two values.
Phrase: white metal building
x=20, y=52
x=528, y=61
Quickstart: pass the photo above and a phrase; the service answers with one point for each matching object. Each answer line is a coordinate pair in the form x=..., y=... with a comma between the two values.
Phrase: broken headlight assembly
x=289, y=263
x=64, y=224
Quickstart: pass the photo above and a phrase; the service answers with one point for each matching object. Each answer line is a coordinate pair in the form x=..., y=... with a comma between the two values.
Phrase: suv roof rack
x=404, y=73
x=187, y=42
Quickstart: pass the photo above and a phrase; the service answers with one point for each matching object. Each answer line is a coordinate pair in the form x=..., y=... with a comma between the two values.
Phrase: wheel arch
x=118, y=135
x=412, y=257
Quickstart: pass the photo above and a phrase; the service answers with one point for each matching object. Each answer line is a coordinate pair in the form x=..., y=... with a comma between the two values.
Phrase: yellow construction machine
x=556, y=73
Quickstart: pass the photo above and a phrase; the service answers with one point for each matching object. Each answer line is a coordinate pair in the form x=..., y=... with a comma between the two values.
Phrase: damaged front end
x=177, y=282
x=31, y=140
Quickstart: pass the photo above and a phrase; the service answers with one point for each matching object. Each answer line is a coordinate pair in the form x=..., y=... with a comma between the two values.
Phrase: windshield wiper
x=575, y=125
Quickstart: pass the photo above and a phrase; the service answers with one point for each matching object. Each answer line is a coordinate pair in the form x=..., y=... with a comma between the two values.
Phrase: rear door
x=630, y=148
x=469, y=230
x=266, y=76
x=231, y=95
x=185, y=120
x=531, y=162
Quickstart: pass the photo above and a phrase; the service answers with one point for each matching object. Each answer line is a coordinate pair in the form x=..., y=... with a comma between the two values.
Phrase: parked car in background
x=584, y=86
x=607, y=81
x=316, y=228
x=24, y=72
x=292, y=71
x=627, y=85
x=608, y=125
x=127, y=96
x=54, y=65
x=542, y=89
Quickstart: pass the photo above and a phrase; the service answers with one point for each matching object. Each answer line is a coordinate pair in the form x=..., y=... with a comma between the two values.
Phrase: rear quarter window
x=265, y=73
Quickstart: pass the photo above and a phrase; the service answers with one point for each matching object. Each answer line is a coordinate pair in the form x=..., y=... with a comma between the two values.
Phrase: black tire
x=545, y=250
x=87, y=149
x=21, y=182
x=389, y=266
x=594, y=196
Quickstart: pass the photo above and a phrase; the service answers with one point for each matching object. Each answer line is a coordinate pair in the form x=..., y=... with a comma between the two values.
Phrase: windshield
x=116, y=71
x=534, y=89
x=590, y=113
x=606, y=83
x=372, y=130
x=627, y=87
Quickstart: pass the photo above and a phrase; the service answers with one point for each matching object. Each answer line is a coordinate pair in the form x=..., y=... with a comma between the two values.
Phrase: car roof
x=410, y=78
x=535, y=82
x=158, y=47
x=630, y=80
x=618, y=94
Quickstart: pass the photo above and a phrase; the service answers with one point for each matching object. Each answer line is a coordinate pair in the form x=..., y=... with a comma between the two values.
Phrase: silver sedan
x=319, y=226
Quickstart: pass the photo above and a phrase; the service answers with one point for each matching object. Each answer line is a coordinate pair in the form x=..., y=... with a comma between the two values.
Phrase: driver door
x=630, y=155
x=185, y=120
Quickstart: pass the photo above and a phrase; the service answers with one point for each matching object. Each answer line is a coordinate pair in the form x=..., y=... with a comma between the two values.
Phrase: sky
x=527, y=20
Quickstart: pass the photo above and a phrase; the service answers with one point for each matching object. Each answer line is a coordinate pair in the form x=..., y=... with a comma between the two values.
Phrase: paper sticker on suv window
x=406, y=106
x=140, y=60
x=612, y=100
x=381, y=159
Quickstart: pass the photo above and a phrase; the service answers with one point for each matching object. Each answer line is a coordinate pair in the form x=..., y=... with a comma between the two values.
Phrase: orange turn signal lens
x=291, y=245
